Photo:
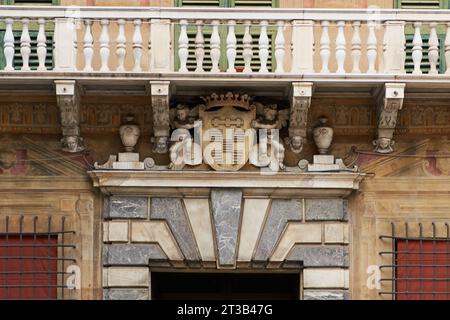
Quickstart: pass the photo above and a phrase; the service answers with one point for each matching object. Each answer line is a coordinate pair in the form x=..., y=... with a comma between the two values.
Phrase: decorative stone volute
x=129, y=133
x=323, y=136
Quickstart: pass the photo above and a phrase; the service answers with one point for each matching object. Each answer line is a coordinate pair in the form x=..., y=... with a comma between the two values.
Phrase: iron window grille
x=33, y=265
x=420, y=267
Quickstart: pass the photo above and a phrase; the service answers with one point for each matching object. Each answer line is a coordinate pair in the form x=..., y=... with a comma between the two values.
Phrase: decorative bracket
x=300, y=103
x=69, y=107
x=389, y=103
x=160, y=96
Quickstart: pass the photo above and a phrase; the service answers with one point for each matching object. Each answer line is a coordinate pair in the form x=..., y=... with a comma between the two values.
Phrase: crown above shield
x=228, y=100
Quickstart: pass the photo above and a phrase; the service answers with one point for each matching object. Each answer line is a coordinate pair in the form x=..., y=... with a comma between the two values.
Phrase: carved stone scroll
x=300, y=103
x=161, y=119
x=390, y=102
x=69, y=108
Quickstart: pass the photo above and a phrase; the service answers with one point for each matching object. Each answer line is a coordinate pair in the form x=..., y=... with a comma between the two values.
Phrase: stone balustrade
x=192, y=41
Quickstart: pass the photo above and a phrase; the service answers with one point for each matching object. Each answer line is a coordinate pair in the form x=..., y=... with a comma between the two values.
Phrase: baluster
x=199, y=46
x=41, y=45
x=25, y=45
x=340, y=47
x=104, y=45
x=183, y=46
x=8, y=45
x=371, y=47
x=447, y=49
x=75, y=45
x=433, y=49
x=325, y=47
x=137, y=45
x=280, y=50
x=356, y=47
x=231, y=46
x=263, y=46
x=150, y=47
x=121, y=49
x=88, y=47
x=215, y=46
x=247, y=42
x=417, y=48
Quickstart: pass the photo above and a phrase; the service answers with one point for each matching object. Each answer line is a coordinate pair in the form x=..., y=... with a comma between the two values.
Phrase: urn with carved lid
x=323, y=135
x=129, y=133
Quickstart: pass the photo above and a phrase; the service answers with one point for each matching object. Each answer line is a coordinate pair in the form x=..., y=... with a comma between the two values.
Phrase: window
x=207, y=30
x=423, y=270
x=420, y=261
x=28, y=267
x=421, y=4
x=35, y=265
x=425, y=64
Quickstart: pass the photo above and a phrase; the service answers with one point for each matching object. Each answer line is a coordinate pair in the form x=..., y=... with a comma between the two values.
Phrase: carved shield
x=227, y=136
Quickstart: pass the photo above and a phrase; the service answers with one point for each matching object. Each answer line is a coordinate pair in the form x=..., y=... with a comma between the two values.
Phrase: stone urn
x=323, y=136
x=129, y=133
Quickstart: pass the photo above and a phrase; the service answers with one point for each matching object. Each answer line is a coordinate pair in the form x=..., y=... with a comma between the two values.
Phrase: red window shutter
x=28, y=267
x=423, y=270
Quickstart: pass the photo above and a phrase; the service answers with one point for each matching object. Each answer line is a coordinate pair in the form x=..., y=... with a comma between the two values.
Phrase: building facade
x=255, y=149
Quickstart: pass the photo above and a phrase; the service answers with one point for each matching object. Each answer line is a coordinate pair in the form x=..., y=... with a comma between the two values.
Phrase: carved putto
x=269, y=151
x=226, y=132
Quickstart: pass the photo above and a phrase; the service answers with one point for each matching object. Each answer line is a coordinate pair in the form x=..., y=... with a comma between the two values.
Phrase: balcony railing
x=222, y=41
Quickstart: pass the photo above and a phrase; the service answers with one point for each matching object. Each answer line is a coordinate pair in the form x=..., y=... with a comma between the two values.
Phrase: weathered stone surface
x=126, y=277
x=296, y=233
x=198, y=211
x=226, y=209
x=325, y=209
x=336, y=233
x=280, y=213
x=128, y=207
x=325, y=278
x=125, y=294
x=325, y=295
x=118, y=231
x=156, y=232
x=171, y=210
x=132, y=254
x=323, y=256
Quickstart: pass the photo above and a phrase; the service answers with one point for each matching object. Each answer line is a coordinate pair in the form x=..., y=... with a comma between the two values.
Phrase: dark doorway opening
x=225, y=286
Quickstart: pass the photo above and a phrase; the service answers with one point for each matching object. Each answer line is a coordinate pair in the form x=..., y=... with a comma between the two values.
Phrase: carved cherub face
x=296, y=142
x=384, y=143
x=182, y=112
x=270, y=112
x=161, y=144
x=7, y=159
x=72, y=143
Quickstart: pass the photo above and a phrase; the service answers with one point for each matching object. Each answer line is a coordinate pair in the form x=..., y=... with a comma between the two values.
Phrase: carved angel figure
x=182, y=117
x=269, y=117
x=184, y=150
x=269, y=152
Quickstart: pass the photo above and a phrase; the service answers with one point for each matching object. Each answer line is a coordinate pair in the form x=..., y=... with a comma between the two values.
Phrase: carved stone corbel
x=69, y=107
x=160, y=96
x=390, y=102
x=300, y=103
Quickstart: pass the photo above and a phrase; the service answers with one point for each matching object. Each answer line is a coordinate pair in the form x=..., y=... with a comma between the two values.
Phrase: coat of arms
x=227, y=139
